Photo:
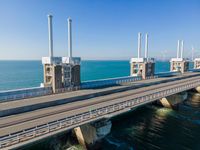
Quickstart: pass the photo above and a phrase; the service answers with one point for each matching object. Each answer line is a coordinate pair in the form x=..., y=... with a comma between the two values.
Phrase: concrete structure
x=87, y=111
x=197, y=63
x=52, y=67
x=196, y=60
x=34, y=121
x=89, y=134
x=144, y=67
x=179, y=63
x=61, y=72
x=172, y=101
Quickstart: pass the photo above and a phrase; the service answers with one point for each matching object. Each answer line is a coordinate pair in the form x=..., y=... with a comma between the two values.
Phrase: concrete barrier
x=108, y=82
x=24, y=93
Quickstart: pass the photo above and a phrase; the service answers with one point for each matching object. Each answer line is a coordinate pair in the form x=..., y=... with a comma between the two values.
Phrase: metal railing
x=112, y=81
x=103, y=83
x=24, y=93
x=79, y=119
x=68, y=89
x=108, y=82
x=42, y=91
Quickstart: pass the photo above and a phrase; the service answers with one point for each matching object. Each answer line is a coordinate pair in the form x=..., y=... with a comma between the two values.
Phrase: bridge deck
x=55, y=99
x=15, y=123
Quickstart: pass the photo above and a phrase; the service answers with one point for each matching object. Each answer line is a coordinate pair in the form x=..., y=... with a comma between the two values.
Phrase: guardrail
x=42, y=91
x=194, y=70
x=24, y=93
x=68, y=122
x=112, y=81
x=99, y=83
x=103, y=83
x=108, y=82
x=167, y=74
x=68, y=89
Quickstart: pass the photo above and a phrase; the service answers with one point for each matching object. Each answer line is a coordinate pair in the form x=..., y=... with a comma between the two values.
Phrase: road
x=63, y=98
x=19, y=122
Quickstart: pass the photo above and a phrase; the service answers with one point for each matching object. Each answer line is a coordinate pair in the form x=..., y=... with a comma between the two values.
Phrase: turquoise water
x=23, y=74
x=147, y=128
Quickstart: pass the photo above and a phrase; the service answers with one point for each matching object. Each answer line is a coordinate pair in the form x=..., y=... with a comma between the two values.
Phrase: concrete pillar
x=139, y=44
x=197, y=89
x=173, y=100
x=69, y=37
x=50, y=29
x=146, y=46
x=195, y=99
x=80, y=137
x=89, y=134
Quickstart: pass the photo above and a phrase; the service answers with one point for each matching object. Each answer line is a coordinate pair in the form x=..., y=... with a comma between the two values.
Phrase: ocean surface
x=147, y=128
x=25, y=74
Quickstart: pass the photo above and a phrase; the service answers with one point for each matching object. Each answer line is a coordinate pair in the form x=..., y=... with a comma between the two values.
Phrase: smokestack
x=69, y=37
x=182, y=48
x=50, y=28
x=178, y=49
x=139, y=45
x=192, y=53
x=146, y=45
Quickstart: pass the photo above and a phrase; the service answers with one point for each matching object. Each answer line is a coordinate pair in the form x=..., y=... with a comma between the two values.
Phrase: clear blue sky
x=102, y=29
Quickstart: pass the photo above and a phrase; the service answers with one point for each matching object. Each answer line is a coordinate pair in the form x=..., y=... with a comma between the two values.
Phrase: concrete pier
x=197, y=89
x=89, y=134
x=173, y=100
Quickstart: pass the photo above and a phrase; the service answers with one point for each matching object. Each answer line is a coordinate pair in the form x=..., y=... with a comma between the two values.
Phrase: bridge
x=87, y=106
x=64, y=103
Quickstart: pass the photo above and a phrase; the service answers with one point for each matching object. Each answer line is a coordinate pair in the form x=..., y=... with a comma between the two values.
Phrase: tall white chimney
x=50, y=28
x=192, y=53
x=139, y=45
x=178, y=49
x=182, y=48
x=69, y=37
x=146, y=45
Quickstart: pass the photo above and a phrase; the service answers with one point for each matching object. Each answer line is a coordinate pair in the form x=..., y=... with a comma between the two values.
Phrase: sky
x=102, y=29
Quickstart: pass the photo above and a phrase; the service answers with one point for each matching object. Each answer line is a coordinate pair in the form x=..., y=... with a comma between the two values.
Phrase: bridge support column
x=173, y=100
x=197, y=89
x=89, y=134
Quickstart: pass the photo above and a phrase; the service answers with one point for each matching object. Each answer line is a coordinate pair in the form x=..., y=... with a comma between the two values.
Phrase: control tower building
x=179, y=63
x=61, y=72
x=71, y=65
x=142, y=66
x=196, y=60
x=197, y=63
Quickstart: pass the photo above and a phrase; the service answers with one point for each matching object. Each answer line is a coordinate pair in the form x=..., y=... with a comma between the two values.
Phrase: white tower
x=50, y=36
x=146, y=46
x=69, y=37
x=61, y=72
x=179, y=63
x=142, y=66
x=71, y=65
x=52, y=65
